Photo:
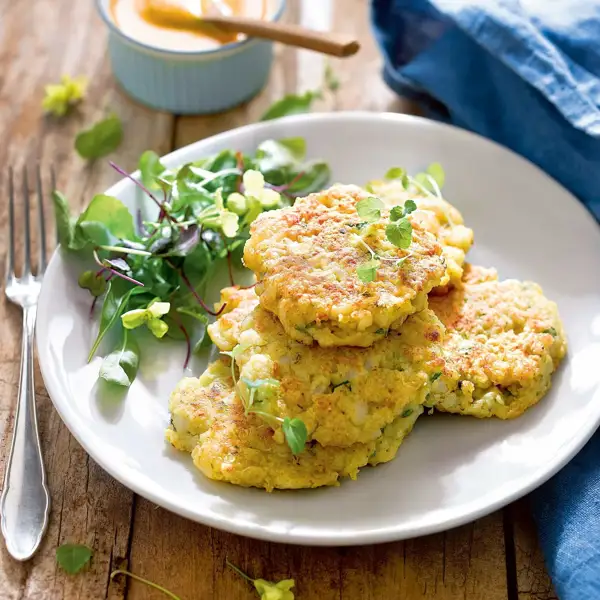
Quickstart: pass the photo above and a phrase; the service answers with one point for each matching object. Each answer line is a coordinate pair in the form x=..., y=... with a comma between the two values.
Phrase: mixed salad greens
x=152, y=272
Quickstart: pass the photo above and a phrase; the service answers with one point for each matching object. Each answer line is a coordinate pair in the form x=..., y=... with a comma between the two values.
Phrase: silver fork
x=25, y=500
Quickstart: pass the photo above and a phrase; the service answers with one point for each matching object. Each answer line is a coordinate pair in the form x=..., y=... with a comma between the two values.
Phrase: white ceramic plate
x=451, y=469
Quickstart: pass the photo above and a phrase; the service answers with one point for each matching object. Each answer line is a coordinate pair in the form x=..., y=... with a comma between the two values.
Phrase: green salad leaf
x=73, y=557
x=121, y=365
x=151, y=169
x=153, y=266
x=115, y=302
x=101, y=139
x=62, y=216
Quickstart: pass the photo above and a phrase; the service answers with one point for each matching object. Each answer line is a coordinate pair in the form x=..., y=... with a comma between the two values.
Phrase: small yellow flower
x=267, y=589
x=275, y=591
x=150, y=316
x=226, y=220
x=254, y=187
x=59, y=97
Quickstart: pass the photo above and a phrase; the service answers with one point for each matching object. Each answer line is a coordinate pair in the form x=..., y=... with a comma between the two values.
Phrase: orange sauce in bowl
x=177, y=24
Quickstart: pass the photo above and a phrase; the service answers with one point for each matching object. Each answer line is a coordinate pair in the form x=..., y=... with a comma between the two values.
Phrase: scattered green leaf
x=292, y=104
x=73, y=557
x=101, y=139
x=552, y=331
x=407, y=413
x=434, y=376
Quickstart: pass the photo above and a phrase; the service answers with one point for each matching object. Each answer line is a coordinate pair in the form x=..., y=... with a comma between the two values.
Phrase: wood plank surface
x=39, y=44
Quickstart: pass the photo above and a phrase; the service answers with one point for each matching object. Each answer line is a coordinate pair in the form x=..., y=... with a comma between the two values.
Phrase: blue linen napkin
x=527, y=75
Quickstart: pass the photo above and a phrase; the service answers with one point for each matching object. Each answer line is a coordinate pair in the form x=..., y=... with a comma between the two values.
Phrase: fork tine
x=53, y=185
x=27, y=241
x=10, y=252
x=41, y=223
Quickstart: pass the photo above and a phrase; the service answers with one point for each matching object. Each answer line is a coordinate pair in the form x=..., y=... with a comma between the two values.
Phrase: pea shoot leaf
x=399, y=233
x=101, y=139
x=436, y=171
x=369, y=209
x=395, y=173
x=73, y=557
x=399, y=212
x=367, y=272
x=295, y=434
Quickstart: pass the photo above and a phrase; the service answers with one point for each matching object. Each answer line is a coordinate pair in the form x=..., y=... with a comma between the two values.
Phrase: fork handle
x=25, y=501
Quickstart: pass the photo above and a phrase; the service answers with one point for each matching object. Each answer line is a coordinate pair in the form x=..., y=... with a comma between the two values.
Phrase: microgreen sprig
x=294, y=429
x=398, y=231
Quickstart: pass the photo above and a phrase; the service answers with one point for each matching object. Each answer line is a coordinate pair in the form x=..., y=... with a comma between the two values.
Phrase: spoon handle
x=334, y=44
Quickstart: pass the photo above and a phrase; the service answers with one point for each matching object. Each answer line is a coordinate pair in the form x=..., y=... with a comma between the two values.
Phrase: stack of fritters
x=358, y=362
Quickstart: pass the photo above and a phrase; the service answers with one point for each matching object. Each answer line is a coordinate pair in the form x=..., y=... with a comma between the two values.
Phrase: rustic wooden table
x=495, y=558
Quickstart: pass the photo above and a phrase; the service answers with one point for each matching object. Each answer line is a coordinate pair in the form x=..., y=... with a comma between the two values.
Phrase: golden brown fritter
x=305, y=259
x=504, y=340
x=208, y=420
x=343, y=395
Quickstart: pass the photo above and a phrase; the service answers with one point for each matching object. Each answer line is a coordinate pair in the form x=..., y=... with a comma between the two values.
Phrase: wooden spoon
x=164, y=13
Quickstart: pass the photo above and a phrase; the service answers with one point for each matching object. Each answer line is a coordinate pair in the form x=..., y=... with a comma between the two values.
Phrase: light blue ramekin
x=184, y=82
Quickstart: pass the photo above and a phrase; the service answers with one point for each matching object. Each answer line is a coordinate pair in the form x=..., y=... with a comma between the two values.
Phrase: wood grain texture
x=39, y=44
x=465, y=563
x=533, y=582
